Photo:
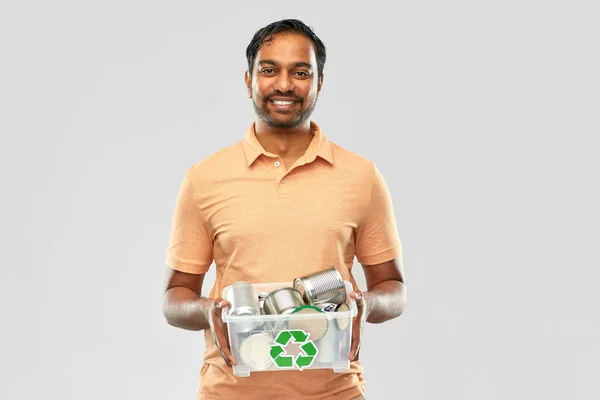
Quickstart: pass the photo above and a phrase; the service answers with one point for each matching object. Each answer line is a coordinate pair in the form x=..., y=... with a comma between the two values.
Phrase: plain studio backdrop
x=482, y=116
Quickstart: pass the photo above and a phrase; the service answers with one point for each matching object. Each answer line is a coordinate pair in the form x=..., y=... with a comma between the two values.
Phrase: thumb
x=356, y=295
x=221, y=303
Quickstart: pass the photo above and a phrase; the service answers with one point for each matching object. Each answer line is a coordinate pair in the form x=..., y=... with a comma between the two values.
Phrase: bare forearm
x=185, y=309
x=385, y=301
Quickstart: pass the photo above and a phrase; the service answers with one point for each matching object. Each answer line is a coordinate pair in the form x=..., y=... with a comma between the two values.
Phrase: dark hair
x=285, y=26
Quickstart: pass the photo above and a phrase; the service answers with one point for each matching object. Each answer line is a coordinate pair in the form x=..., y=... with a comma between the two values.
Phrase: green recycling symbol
x=303, y=360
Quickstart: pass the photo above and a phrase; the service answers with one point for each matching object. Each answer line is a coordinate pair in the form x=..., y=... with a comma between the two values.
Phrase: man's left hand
x=358, y=323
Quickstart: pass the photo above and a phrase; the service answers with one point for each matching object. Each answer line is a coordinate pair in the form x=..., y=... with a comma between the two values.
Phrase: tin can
x=255, y=350
x=244, y=302
x=322, y=287
x=283, y=301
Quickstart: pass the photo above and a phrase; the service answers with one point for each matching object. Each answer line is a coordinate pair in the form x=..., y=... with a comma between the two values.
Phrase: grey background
x=481, y=115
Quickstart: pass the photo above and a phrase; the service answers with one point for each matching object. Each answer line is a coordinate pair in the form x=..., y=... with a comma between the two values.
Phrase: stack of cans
x=319, y=294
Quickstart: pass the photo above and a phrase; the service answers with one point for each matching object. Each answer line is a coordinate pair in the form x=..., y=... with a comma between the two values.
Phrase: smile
x=283, y=102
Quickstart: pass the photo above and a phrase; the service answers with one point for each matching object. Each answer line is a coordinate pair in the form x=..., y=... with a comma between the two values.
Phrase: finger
x=221, y=303
x=219, y=343
x=227, y=354
x=222, y=344
x=360, y=304
x=355, y=338
x=356, y=323
x=218, y=306
x=356, y=295
x=360, y=301
x=223, y=335
x=353, y=346
x=227, y=362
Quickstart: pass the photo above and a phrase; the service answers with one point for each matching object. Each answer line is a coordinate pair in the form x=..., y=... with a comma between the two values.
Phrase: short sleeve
x=376, y=239
x=190, y=246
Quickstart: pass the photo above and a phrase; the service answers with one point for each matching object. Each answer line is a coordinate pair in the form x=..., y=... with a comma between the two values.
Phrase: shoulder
x=218, y=164
x=352, y=163
x=346, y=156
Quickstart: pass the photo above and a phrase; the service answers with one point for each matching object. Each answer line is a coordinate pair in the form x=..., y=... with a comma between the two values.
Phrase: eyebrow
x=295, y=65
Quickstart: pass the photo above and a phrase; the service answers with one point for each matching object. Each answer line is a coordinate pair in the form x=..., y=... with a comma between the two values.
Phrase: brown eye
x=267, y=71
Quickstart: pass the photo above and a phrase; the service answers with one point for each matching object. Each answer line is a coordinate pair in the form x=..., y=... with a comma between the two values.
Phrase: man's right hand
x=219, y=330
x=184, y=307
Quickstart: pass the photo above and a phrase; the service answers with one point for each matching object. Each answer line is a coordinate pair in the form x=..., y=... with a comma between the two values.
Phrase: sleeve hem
x=188, y=267
x=380, y=257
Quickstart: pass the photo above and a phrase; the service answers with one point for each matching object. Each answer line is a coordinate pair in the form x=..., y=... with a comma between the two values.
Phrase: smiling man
x=284, y=78
x=284, y=202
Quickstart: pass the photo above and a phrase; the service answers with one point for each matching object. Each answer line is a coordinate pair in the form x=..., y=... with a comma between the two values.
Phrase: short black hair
x=285, y=26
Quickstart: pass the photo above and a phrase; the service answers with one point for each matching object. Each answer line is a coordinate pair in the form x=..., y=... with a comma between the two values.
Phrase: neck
x=284, y=142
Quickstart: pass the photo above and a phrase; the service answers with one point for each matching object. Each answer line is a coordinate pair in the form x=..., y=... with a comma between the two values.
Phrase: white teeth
x=282, y=103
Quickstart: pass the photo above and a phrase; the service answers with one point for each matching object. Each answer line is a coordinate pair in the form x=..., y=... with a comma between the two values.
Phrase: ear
x=320, y=83
x=248, y=81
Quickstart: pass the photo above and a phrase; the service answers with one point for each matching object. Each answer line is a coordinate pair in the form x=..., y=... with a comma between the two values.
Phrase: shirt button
x=277, y=163
x=283, y=180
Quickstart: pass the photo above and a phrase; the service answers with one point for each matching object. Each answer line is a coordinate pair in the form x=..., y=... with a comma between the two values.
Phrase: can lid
x=255, y=350
x=305, y=289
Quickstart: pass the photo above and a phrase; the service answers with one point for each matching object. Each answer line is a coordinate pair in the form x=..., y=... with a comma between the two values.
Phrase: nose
x=284, y=83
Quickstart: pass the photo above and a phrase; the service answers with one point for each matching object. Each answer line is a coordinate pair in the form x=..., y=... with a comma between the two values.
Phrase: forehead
x=287, y=48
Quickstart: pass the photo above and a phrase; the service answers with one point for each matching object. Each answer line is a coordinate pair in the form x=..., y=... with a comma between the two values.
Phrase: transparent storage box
x=296, y=341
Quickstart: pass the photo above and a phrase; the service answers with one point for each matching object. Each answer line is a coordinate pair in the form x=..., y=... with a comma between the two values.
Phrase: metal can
x=322, y=287
x=255, y=350
x=244, y=302
x=283, y=301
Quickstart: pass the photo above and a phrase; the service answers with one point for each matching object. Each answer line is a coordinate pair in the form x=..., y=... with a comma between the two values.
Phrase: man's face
x=284, y=84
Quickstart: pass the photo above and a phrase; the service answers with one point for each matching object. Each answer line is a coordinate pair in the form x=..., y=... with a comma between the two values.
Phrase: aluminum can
x=244, y=302
x=322, y=287
x=283, y=301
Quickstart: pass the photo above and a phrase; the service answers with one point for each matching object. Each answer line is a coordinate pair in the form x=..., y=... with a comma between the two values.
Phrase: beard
x=270, y=117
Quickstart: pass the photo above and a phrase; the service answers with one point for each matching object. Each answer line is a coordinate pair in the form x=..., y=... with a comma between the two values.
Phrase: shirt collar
x=320, y=146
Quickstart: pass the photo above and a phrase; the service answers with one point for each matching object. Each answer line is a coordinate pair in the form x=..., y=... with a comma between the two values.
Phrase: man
x=283, y=203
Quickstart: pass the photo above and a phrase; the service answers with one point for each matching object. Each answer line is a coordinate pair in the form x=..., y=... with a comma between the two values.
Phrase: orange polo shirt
x=261, y=222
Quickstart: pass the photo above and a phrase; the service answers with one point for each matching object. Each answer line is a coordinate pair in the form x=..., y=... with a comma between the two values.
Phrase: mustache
x=289, y=95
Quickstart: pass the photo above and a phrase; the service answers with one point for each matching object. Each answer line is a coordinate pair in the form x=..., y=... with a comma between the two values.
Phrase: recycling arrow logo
x=303, y=360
